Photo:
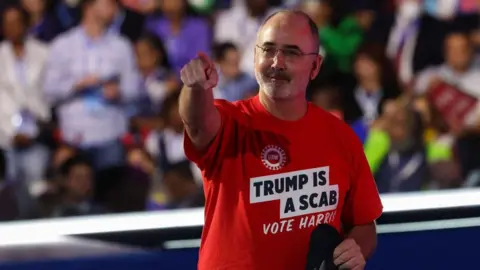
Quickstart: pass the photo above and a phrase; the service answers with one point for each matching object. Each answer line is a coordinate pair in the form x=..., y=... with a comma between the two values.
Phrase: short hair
x=77, y=160
x=25, y=16
x=221, y=49
x=156, y=43
x=312, y=25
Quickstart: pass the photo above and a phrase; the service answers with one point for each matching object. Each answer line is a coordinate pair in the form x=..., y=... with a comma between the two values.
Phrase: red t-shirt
x=268, y=183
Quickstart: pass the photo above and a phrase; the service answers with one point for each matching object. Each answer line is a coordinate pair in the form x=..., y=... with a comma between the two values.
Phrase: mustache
x=278, y=74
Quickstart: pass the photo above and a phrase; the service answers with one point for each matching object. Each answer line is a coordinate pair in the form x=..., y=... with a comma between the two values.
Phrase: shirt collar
x=87, y=40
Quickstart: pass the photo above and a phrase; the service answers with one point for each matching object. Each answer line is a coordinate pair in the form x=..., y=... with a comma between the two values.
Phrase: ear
x=316, y=67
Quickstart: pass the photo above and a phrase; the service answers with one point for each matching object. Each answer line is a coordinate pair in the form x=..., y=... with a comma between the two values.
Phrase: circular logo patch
x=273, y=157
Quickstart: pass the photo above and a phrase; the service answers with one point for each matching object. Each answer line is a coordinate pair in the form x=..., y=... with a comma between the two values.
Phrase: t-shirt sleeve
x=223, y=141
x=363, y=204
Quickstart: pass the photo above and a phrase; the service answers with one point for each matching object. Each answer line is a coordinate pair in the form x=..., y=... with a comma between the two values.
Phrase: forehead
x=287, y=31
x=12, y=13
x=457, y=40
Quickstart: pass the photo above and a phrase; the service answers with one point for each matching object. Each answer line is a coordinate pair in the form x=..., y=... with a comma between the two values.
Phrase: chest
x=298, y=172
x=99, y=58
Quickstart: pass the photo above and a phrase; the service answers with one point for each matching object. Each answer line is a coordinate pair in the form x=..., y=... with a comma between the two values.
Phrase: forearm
x=199, y=115
x=366, y=237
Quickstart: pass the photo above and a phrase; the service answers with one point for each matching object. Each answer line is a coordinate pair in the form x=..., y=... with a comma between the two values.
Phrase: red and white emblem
x=273, y=157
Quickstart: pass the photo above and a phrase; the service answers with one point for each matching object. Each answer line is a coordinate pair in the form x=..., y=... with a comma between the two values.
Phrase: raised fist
x=200, y=73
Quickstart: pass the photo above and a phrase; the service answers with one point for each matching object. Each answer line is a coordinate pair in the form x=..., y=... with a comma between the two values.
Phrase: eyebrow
x=286, y=46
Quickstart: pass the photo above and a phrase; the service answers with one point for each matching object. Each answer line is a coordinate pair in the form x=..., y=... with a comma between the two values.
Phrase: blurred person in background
x=341, y=31
x=74, y=193
x=166, y=145
x=157, y=79
x=233, y=84
x=458, y=67
x=183, y=33
x=460, y=71
x=91, y=87
x=239, y=25
x=43, y=24
x=23, y=108
x=420, y=26
x=396, y=152
x=374, y=83
x=4, y=4
x=401, y=157
x=181, y=188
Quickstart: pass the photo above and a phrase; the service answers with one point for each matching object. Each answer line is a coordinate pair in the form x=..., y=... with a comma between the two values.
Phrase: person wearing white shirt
x=239, y=25
x=22, y=104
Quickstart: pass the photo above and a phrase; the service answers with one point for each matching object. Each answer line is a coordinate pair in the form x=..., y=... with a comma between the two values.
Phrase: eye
x=291, y=53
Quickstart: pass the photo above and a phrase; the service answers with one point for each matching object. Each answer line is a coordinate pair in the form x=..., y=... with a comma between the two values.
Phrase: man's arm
x=200, y=117
x=366, y=237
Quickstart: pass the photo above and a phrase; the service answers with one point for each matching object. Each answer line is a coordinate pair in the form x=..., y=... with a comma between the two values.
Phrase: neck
x=175, y=21
x=93, y=29
x=291, y=109
x=18, y=48
x=370, y=85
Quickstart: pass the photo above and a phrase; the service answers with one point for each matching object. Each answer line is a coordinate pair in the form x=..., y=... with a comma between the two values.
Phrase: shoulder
x=337, y=130
x=64, y=41
x=241, y=110
x=66, y=36
x=120, y=42
x=38, y=45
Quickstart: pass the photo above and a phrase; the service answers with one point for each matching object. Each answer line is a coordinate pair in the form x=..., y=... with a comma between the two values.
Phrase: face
x=13, y=25
x=281, y=68
x=230, y=64
x=366, y=68
x=172, y=6
x=79, y=180
x=34, y=6
x=458, y=52
x=105, y=10
x=147, y=57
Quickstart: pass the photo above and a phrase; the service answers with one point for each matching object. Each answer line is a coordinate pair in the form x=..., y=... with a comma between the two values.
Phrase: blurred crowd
x=89, y=91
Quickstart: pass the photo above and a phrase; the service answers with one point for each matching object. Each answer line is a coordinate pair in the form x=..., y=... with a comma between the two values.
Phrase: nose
x=279, y=60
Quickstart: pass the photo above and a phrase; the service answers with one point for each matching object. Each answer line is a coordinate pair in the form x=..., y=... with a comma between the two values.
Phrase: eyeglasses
x=289, y=54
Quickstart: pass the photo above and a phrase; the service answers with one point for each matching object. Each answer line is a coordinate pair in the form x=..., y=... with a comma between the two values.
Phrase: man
x=275, y=166
x=90, y=87
x=233, y=84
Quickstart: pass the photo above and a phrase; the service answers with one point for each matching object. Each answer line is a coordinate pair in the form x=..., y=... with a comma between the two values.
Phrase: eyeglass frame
x=301, y=53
